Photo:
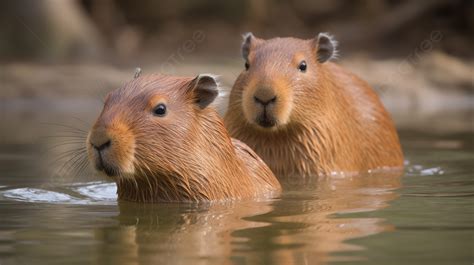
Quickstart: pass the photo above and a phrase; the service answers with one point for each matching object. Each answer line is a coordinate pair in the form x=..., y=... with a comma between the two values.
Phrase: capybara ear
x=249, y=42
x=325, y=47
x=205, y=89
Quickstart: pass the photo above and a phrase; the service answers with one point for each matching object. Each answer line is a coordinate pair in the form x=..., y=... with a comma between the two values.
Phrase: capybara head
x=145, y=126
x=278, y=74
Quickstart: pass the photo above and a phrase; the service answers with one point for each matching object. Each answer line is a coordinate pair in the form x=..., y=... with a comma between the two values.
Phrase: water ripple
x=419, y=170
x=98, y=193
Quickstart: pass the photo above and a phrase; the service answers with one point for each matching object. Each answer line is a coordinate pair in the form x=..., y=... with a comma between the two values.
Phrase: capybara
x=159, y=139
x=305, y=115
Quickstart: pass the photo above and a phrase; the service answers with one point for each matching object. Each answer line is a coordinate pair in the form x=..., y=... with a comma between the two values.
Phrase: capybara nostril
x=100, y=147
x=100, y=138
x=264, y=102
x=264, y=96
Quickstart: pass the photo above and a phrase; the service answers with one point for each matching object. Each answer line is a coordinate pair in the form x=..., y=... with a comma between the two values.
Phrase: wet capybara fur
x=305, y=115
x=159, y=139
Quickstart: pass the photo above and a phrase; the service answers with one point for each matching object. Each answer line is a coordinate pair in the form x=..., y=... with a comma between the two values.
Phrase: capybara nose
x=102, y=146
x=264, y=101
x=264, y=96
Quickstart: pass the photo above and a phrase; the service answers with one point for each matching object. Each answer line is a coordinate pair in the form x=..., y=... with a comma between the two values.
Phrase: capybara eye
x=247, y=65
x=302, y=66
x=160, y=110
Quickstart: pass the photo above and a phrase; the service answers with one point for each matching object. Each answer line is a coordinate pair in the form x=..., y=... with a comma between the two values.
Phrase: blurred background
x=60, y=57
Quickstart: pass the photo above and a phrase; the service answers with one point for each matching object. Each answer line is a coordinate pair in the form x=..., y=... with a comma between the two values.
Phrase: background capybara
x=305, y=115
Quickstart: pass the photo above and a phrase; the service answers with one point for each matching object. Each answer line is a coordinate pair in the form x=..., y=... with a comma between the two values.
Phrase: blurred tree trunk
x=47, y=29
x=110, y=21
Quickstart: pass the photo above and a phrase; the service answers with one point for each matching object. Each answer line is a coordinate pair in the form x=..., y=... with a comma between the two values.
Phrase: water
x=424, y=216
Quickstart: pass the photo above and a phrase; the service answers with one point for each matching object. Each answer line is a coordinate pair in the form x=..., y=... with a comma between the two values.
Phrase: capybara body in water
x=304, y=115
x=159, y=140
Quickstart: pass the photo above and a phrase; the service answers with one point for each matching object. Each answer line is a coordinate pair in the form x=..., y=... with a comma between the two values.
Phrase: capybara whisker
x=75, y=129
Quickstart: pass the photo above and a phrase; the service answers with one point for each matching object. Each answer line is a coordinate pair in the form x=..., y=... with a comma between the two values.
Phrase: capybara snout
x=111, y=146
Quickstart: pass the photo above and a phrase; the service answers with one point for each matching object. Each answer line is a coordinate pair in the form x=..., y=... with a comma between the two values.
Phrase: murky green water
x=423, y=217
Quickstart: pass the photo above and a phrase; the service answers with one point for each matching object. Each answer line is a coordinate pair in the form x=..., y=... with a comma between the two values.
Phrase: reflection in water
x=298, y=228
x=172, y=234
x=309, y=224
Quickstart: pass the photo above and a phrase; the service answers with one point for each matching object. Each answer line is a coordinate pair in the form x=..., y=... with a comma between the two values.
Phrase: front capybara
x=159, y=140
x=306, y=116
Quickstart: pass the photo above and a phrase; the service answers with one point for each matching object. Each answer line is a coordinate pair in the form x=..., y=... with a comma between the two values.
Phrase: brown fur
x=327, y=119
x=186, y=155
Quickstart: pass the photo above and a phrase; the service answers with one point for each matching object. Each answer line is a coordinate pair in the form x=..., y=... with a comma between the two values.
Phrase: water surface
x=424, y=216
